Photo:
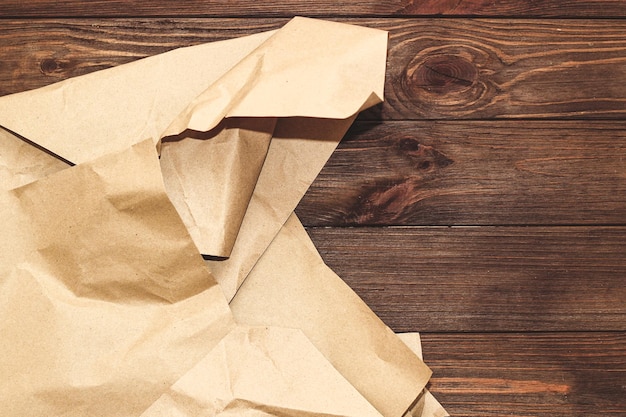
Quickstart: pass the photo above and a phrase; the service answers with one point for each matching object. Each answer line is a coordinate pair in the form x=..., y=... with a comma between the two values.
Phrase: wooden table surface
x=483, y=204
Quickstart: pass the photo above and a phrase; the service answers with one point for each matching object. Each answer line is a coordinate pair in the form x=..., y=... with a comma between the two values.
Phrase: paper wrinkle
x=290, y=286
x=103, y=356
x=112, y=309
x=296, y=155
x=89, y=250
x=288, y=72
x=274, y=370
x=214, y=104
x=294, y=94
x=246, y=408
x=93, y=348
x=275, y=80
x=22, y=163
x=109, y=109
x=210, y=179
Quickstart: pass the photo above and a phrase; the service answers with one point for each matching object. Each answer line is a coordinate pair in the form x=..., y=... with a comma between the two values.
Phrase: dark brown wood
x=524, y=375
x=120, y=8
x=473, y=173
x=484, y=278
x=544, y=263
x=451, y=69
x=35, y=53
x=438, y=68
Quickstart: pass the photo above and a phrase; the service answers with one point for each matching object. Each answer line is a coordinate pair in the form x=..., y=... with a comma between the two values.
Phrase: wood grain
x=438, y=68
x=473, y=173
x=35, y=53
x=477, y=279
x=524, y=375
x=523, y=311
x=287, y=8
x=451, y=69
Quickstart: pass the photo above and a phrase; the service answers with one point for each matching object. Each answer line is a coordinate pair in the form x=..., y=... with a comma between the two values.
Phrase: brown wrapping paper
x=104, y=298
x=286, y=73
x=235, y=153
x=298, y=151
x=107, y=305
x=263, y=371
x=22, y=162
x=291, y=287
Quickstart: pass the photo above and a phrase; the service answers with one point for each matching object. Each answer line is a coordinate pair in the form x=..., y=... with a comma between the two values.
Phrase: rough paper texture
x=210, y=179
x=291, y=287
x=104, y=297
x=263, y=371
x=107, y=306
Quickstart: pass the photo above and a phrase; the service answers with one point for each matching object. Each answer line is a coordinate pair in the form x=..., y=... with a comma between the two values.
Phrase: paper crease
x=109, y=307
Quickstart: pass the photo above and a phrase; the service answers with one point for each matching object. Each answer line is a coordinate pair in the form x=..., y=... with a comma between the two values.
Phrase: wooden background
x=483, y=204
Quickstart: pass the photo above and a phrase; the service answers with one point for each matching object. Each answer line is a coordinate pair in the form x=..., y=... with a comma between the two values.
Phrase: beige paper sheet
x=102, y=276
x=263, y=371
x=275, y=371
x=298, y=151
x=210, y=179
x=22, y=163
x=103, y=296
x=309, y=68
x=290, y=286
x=88, y=116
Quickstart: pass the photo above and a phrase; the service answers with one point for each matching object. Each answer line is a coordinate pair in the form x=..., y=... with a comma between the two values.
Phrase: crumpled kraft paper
x=291, y=287
x=107, y=306
x=103, y=297
x=292, y=72
x=263, y=371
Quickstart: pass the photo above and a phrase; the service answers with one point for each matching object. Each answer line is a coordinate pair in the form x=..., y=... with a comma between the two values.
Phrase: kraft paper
x=138, y=201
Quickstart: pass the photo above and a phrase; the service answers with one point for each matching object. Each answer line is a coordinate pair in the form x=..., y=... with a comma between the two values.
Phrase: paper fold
x=210, y=179
x=94, y=319
x=276, y=371
x=284, y=73
x=291, y=287
x=110, y=308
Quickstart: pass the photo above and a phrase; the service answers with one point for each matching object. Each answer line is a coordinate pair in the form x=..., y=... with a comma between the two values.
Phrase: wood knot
x=448, y=80
x=408, y=144
x=422, y=158
x=50, y=66
x=444, y=74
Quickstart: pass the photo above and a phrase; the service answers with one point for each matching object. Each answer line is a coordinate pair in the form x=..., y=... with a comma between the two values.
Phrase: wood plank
x=438, y=68
x=524, y=375
x=40, y=52
x=286, y=8
x=451, y=69
x=473, y=173
x=475, y=279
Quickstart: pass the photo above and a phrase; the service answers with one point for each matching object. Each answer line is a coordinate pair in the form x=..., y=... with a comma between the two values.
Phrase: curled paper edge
x=309, y=68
